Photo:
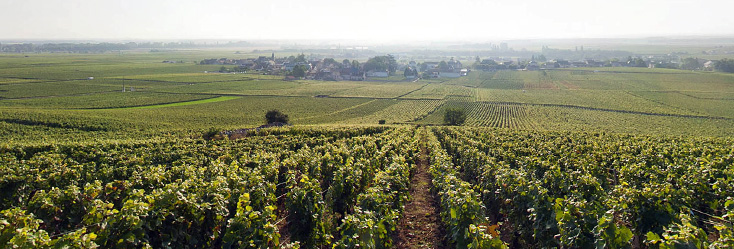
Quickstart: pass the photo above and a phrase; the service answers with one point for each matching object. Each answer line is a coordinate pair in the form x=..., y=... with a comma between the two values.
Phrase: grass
x=193, y=102
x=106, y=100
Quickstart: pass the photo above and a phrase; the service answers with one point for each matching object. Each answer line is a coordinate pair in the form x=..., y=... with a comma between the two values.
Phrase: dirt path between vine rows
x=420, y=226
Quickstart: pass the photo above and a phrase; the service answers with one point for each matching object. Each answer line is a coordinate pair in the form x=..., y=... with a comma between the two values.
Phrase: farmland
x=571, y=158
x=646, y=101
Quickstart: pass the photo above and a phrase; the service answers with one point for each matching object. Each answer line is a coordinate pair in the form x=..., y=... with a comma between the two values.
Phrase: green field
x=44, y=88
x=567, y=158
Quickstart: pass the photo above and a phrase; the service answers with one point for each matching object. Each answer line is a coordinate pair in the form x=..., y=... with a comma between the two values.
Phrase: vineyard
x=335, y=187
x=596, y=190
x=565, y=158
x=277, y=188
x=401, y=112
x=499, y=115
x=53, y=97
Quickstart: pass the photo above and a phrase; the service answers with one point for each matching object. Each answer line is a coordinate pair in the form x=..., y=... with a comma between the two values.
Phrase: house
x=430, y=65
x=357, y=77
x=453, y=73
x=377, y=74
x=262, y=59
x=551, y=64
x=288, y=66
x=464, y=72
x=454, y=64
x=488, y=62
x=709, y=65
x=328, y=74
x=563, y=63
x=578, y=64
x=592, y=63
x=353, y=74
x=246, y=63
x=532, y=66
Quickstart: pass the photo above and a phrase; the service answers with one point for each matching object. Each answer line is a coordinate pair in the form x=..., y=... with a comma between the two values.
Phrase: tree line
x=107, y=47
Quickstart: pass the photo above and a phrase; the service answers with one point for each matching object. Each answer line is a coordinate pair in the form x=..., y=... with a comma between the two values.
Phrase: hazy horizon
x=373, y=21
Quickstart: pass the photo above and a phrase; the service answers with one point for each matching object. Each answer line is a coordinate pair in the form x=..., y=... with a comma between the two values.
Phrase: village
x=298, y=67
x=320, y=68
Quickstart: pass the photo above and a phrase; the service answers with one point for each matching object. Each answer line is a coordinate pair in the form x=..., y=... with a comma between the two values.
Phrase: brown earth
x=420, y=225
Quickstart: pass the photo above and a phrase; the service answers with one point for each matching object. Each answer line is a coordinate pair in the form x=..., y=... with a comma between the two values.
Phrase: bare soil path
x=420, y=226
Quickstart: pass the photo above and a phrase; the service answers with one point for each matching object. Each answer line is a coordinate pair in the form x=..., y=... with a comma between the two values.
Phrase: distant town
x=314, y=68
x=318, y=62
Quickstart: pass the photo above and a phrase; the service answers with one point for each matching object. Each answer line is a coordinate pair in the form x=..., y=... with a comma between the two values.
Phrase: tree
x=392, y=64
x=408, y=72
x=477, y=62
x=355, y=64
x=638, y=62
x=724, y=65
x=330, y=61
x=454, y=116
x=424, y=67
x=299, y=71
x=690, y=64
x=443, y=65
x=275, y=116
x=381, y=63
x=300, y=58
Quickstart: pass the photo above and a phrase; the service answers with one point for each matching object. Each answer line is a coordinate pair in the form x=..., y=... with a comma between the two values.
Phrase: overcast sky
x=377, y=20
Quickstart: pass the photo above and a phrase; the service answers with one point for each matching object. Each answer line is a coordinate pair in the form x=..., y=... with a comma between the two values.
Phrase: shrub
x=275, y=116
x=454, y=116
x=381, y=121
x=211, y=133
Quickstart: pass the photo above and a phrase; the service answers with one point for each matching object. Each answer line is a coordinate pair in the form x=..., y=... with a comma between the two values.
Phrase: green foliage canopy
x=690, y=64
x=724, y=65
x=454, y=116
x=275, y=116
x=381, y=63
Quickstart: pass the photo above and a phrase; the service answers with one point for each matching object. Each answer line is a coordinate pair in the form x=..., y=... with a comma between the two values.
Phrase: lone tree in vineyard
x=275, y=116
x=454, y=116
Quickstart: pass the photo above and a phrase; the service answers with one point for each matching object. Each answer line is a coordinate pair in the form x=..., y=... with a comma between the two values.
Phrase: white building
x=379, y=74
x=452, y=74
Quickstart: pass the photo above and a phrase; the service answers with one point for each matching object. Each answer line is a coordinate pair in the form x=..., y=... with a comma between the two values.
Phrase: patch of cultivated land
x=420, y=226
x=180, y=96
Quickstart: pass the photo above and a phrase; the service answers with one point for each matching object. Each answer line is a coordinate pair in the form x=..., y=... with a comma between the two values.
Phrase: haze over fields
x=488, y=124
x=378, y=20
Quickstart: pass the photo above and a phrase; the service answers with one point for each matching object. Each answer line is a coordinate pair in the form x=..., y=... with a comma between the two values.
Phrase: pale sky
x=375, y=20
